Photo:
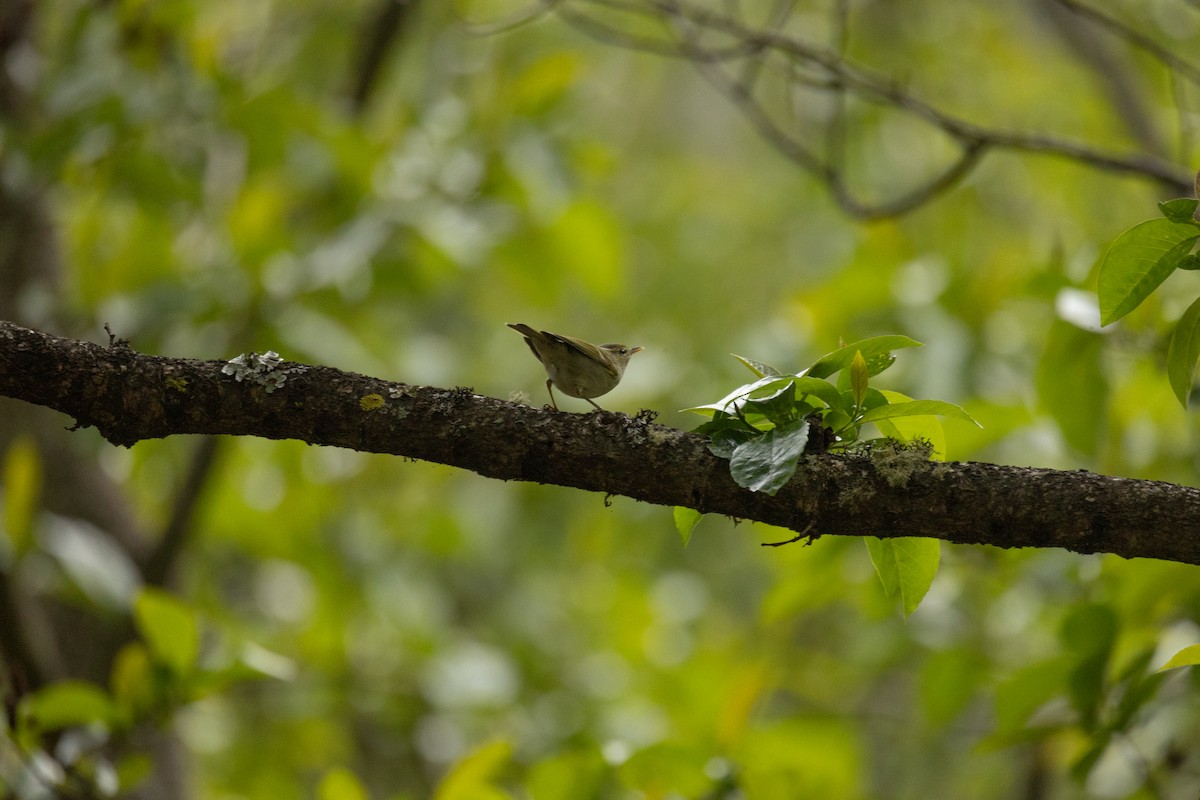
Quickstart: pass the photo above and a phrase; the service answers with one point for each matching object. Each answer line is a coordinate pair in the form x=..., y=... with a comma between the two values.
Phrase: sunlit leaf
x=906, y=567
x=1187, y=657
x=685, y=522
x=473, y=777
x=915, y=408
x=341, y=784
x=924, y=427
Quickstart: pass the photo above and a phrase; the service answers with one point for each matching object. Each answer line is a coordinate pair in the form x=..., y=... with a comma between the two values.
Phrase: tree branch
x=718, y=43
x=129, y=397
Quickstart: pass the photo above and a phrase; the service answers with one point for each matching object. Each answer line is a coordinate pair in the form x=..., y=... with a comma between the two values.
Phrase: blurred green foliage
x=348, y=625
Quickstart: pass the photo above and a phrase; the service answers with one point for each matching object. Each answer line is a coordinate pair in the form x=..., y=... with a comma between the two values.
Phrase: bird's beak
x=637, y=349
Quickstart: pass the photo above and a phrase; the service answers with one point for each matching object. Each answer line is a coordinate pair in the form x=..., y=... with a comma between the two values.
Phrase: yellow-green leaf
x=169, y=628
x=1187, y=657
x=685, y=522
x=132, y=679
x=340, y=783
x=22, y=482
x=474, y=776
x=858, y=378
x=906, y=567
x=66, y=704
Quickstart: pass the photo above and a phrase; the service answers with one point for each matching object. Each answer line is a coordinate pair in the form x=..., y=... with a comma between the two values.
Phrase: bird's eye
x=624, y=350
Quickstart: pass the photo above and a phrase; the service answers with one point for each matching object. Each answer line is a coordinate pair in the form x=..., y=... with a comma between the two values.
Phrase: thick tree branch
x=129, y=396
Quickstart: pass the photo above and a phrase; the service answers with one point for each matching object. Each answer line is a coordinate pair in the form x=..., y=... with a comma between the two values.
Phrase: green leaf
x=823, y=390
x=875, y=346
x=1072, y=385
x=169, y=628
x=1182, y=209
x=1140, y=688
x=725, y=439
x=567, y=776
x=132, y=679
x=777, y=406
x=1192, y=262
x=1183, y=352
x=472, y=778
x=589, y=244
x=664, y=770
x=908, y=429
x=916, y=408
x=685, y=522
x=1138, y=261
x=1027, y=690
x=759, y=368
x=22, y=482
x=1187, y=657
x=66, y=704
x=858, y=378
x=765, y=463
x=734, y=400
x=340, y=783
x=906, y=567
x=1089, y=631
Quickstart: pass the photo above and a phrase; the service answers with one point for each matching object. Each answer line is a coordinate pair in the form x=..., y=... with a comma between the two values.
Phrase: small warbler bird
x=578, y=368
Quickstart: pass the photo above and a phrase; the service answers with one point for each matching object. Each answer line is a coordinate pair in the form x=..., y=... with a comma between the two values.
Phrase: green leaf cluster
x=1093, y=688
x=763, y=427
x=150, y=679
x=1137, y=262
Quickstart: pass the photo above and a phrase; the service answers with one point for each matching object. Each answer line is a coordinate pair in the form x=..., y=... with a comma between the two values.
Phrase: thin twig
x=1135, y=39
x=801, y=535
x=829, y=70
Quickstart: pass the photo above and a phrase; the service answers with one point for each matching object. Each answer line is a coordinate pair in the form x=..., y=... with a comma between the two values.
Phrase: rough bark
x=129, y=396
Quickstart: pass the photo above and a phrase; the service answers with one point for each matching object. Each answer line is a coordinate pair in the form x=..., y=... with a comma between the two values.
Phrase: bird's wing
x=584, y=348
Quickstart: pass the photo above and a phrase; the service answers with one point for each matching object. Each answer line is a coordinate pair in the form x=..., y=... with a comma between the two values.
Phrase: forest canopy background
x=381, y=187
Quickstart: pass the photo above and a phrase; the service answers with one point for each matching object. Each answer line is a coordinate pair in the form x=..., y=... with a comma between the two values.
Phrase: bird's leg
x=550, y=389
x=598, y=408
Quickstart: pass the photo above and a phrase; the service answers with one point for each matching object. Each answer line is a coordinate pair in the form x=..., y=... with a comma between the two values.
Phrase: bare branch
x=128, y=397
x=734, y=63
x=1134, y=38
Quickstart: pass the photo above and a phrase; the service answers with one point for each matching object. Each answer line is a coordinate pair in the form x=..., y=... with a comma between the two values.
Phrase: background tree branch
x=818, y=81
x=130, y=397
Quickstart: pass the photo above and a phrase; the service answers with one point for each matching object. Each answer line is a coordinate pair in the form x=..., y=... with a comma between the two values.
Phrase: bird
x=578, y=368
